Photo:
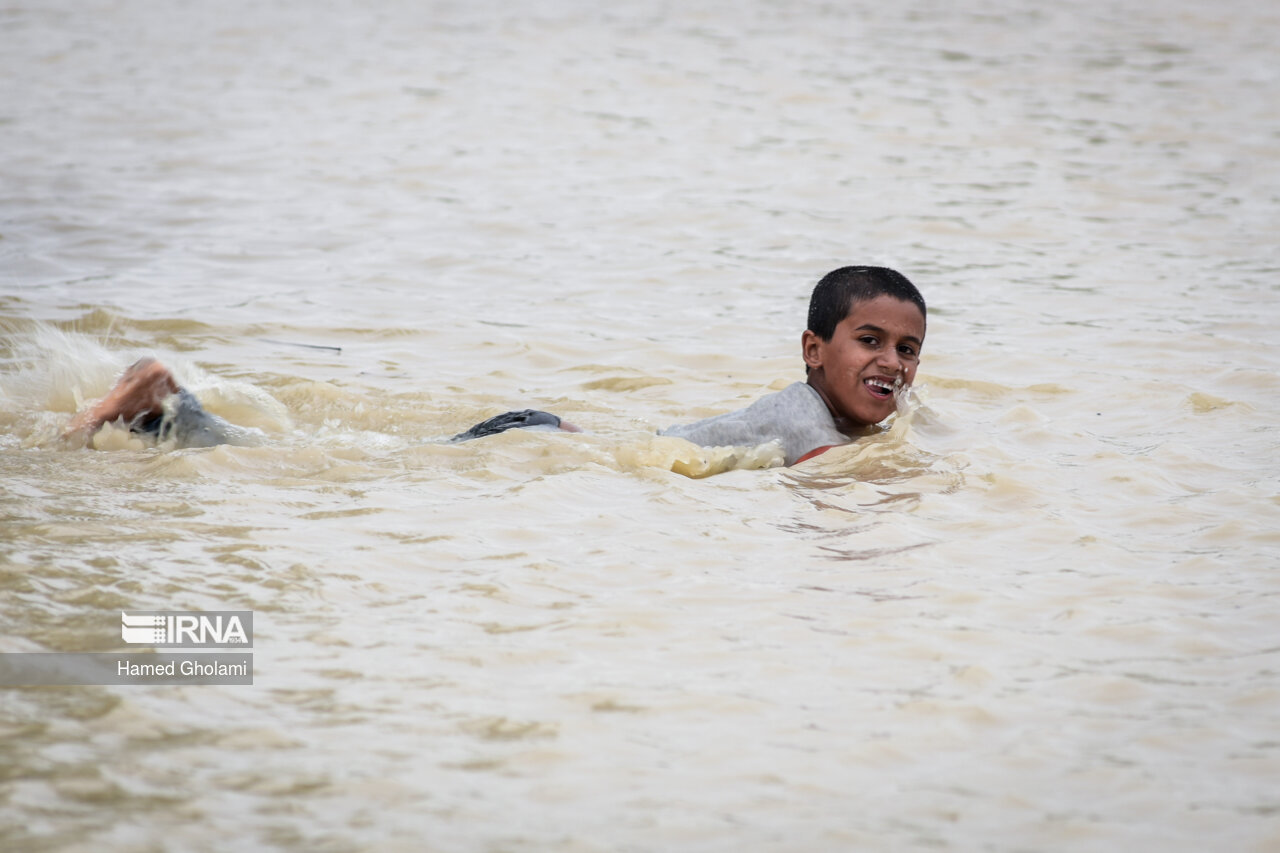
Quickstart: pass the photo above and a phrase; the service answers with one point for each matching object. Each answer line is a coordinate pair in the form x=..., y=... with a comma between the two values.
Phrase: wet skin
x=876, y=347
x=138, y=394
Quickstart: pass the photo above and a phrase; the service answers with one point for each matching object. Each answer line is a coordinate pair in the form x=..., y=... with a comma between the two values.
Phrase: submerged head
x=866, y=328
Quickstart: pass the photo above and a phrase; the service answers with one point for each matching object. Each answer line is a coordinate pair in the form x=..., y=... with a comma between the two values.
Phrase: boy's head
x=840, y=289
x=866, y=327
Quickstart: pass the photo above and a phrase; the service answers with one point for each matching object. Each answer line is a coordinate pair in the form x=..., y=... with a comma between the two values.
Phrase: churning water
x=1038, y=613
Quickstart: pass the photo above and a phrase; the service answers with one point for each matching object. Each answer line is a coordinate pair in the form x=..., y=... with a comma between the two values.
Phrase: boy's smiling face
x=874, y=349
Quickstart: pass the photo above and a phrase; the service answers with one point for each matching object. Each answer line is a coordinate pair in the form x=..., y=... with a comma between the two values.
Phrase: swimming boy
x=148, y=400
x=862, y=346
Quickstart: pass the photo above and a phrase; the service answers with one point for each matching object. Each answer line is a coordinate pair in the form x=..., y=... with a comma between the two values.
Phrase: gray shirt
x=796, y=417
x=187, y=423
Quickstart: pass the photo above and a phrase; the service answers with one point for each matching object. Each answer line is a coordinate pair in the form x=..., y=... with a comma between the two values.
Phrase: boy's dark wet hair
x=841, y=289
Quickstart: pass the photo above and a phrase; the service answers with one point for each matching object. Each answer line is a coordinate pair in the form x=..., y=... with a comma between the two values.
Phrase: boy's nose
x=890, y=360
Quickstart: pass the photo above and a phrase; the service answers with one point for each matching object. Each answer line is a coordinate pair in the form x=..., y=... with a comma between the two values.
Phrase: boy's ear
x=811, y=347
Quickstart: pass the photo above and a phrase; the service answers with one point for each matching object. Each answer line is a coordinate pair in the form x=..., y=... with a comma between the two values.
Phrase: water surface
x=1038, y=614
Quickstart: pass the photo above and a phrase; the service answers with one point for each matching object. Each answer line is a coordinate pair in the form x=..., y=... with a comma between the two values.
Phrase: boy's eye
x=869, y=340
x=907, y=350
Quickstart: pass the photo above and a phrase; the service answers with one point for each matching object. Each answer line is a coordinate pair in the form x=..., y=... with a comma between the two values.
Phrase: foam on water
x=50, y=369
x=54, y=373
x=683, y=457
x=1035, y=612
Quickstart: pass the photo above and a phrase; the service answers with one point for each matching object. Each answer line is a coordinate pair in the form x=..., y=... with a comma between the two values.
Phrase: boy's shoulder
x=796, y=417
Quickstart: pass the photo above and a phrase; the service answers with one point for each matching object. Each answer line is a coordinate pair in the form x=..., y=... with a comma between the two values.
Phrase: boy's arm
x=139, y=393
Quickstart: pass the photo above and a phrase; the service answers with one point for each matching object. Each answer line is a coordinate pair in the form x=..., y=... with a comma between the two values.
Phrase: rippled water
x=1037, y=614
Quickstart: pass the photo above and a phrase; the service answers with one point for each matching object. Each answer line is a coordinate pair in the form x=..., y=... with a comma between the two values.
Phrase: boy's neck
x=842, y=423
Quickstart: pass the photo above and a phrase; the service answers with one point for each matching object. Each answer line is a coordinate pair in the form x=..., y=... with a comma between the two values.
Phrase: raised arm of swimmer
x=137, y=397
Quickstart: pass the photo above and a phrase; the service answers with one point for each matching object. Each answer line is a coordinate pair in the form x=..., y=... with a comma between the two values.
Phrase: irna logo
x=212, y=629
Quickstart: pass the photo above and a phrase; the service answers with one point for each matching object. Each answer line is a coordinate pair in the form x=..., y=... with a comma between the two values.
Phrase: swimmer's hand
x=138, y=394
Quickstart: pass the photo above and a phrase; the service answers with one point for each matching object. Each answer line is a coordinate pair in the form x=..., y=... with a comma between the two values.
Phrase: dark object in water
x=297, y=344
x=510, y=420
